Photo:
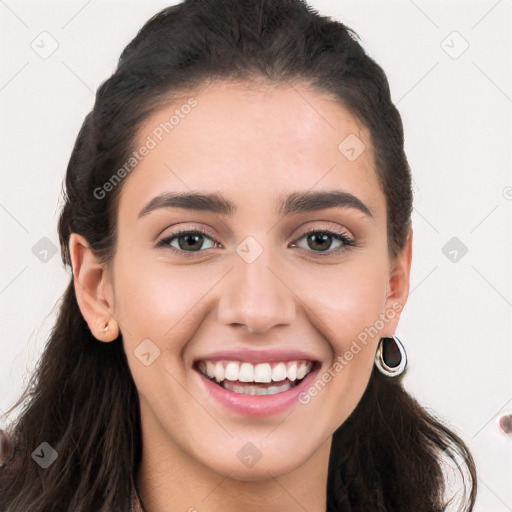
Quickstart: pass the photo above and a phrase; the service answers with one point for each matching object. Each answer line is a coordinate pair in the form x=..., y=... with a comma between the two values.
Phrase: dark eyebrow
x=295, y=202
x=212, y=202
x=307, y=201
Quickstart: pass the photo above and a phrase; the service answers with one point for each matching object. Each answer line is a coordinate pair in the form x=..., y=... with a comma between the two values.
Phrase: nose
x=256, y=295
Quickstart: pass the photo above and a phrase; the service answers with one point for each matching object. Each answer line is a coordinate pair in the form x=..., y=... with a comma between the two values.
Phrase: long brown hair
x=82, y=400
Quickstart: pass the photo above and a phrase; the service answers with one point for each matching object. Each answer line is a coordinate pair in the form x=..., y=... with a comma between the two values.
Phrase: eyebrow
x=295, y=202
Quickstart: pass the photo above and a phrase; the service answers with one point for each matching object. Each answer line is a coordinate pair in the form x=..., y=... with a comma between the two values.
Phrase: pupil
x=196, y=238
x=319, y=240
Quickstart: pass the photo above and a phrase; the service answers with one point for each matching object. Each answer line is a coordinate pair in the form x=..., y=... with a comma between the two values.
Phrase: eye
x=321, y=241
x=187, y=241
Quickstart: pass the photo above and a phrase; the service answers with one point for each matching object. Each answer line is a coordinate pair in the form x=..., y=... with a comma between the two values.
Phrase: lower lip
x=256, y=405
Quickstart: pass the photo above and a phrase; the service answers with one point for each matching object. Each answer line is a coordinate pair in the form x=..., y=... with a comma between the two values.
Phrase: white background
x=457, y=113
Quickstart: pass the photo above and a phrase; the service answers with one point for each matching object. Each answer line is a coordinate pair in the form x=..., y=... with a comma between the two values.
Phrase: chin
x=251, y=464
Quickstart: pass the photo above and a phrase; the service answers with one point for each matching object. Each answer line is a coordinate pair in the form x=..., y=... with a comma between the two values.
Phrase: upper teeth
x=262, y=372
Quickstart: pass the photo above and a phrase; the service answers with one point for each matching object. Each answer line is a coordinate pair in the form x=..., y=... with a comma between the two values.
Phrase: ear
x=398, y=287
x=94, y=292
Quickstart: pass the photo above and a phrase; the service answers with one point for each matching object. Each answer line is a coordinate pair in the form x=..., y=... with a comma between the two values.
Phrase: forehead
x=255, y=143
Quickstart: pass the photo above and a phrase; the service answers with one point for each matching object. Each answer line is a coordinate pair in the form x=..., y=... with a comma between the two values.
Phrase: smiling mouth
x=256, y=379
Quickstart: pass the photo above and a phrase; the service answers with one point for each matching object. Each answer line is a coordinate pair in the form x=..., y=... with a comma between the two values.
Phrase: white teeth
x=218, y=372
x=246, y=372
x=291, y=373
x=210, y=368
x=256, y=390
x=231, y=371
x=279, y=372
x=261, y=373
x=302, y=369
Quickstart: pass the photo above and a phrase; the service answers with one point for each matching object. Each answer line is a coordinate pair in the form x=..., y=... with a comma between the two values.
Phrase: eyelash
x=346, y=241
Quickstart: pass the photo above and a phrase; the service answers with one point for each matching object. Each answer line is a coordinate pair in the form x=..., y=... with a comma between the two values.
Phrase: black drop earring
x=391, y=358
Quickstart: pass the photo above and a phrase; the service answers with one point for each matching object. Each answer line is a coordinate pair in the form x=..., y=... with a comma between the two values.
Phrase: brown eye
x=320, y=242
x=188, y=241
x=323, y=241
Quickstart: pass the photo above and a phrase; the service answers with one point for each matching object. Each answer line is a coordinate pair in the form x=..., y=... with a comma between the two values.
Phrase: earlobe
x=92, y=289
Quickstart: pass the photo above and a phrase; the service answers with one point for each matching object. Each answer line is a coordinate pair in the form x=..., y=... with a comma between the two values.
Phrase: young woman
x=237, y=223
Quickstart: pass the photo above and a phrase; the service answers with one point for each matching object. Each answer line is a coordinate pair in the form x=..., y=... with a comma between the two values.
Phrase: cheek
x=347, y=305
x=347, y=301
x=155, y=299
x=165, y=305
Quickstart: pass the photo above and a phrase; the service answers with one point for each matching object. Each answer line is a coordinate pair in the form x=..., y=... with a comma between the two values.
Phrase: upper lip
x=258, y=356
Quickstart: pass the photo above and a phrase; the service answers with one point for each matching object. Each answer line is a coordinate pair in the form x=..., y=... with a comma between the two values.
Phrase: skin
x=251, y=143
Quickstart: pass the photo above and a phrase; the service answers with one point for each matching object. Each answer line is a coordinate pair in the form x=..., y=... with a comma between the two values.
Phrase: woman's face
x=263, y=285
